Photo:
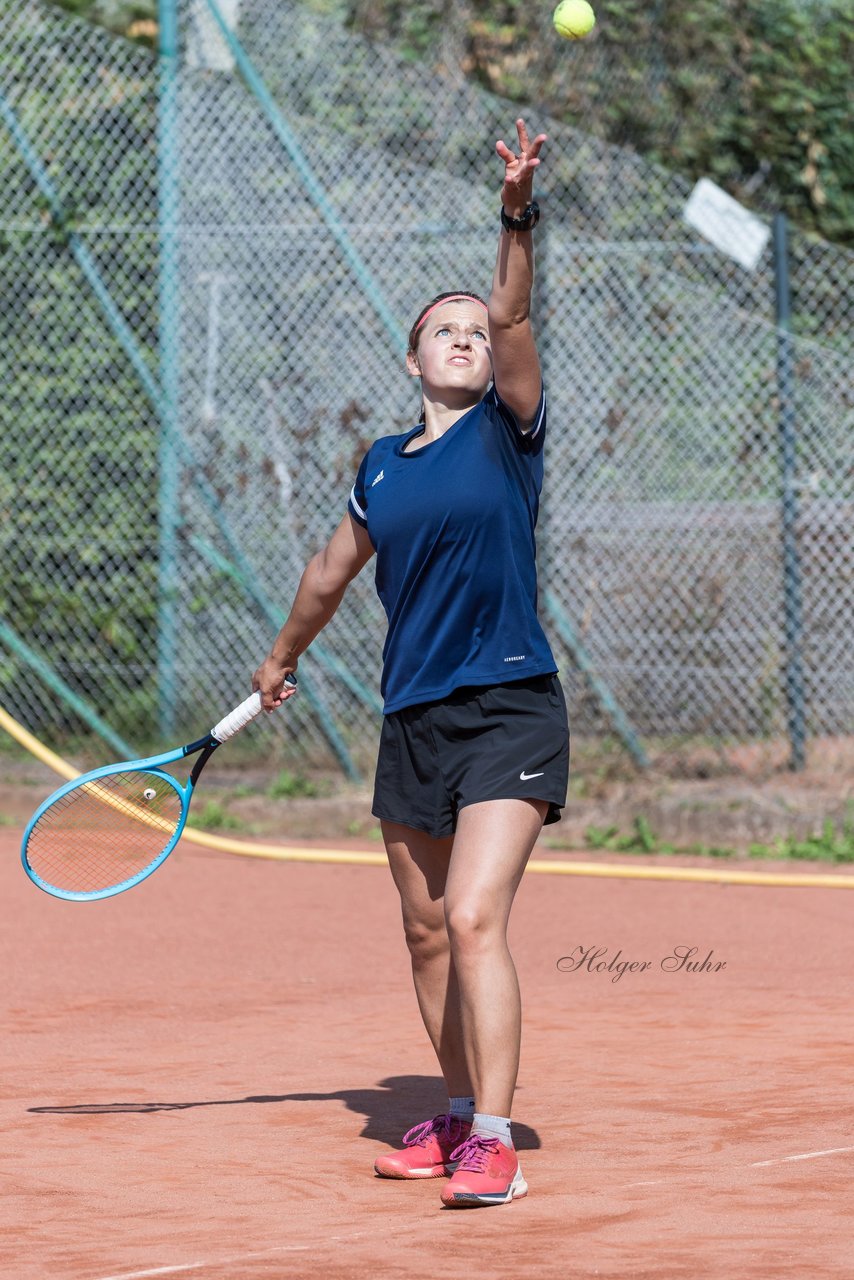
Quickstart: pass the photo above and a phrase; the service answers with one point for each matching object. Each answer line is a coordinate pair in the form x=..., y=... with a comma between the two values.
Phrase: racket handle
x=241, y=716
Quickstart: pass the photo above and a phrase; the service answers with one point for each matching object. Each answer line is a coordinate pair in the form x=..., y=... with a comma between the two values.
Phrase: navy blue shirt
x=453, y=527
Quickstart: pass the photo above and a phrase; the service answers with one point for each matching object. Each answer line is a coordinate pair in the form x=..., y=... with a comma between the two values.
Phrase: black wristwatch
x=527, y=222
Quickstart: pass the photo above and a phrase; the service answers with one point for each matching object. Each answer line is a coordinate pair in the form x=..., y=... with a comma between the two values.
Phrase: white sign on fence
x=727, y=224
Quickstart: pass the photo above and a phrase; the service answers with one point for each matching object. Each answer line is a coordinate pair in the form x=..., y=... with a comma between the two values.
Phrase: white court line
x=807, y=1155
x=757, y=1164
x=298, y=1248
x=222, y=1262
x=156, y=1271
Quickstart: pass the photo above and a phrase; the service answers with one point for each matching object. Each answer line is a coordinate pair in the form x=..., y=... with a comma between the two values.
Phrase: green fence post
x=168, y=215
x=597, y=685
x=54, y=681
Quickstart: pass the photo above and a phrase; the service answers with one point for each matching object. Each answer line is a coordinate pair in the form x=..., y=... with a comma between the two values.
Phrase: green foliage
x=828, y=846
x=287, y=786
x=214, y=817
x=135, y=19
x=754, y=94
x=640, y=839
x=77, y=563
x=761, y=88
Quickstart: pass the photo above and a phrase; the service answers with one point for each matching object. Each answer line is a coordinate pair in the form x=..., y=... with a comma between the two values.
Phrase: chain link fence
x=208, y=267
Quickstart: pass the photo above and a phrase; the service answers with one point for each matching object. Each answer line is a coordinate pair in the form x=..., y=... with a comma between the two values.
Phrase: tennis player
x=474, y=750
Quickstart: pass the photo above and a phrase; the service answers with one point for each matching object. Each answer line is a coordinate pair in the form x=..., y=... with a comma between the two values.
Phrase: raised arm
x=319, y=594
x=516, y=366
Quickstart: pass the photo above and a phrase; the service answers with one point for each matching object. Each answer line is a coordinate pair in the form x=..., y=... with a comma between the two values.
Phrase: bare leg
x=493, y=842
x=419, y=866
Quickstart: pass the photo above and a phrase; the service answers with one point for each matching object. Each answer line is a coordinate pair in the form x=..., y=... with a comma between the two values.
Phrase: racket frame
x=233, y=723
x=152, y=765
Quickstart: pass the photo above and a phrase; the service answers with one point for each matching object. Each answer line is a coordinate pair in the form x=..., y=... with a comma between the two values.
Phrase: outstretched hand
x=519, y=169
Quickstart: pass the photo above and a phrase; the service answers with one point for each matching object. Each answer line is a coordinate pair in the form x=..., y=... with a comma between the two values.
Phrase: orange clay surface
x=198, y=1074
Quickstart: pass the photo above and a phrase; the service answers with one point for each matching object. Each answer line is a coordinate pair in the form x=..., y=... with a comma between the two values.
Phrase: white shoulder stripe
x=356, y=507
x=540, y=417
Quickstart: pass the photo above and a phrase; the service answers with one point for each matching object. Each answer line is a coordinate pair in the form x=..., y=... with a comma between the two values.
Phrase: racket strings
x=104, y=832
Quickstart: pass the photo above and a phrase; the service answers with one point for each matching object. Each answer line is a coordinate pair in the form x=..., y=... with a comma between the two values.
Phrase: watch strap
x=527, y=222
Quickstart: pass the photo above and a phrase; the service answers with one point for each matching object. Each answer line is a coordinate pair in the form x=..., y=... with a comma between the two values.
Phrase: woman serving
x=474, y=749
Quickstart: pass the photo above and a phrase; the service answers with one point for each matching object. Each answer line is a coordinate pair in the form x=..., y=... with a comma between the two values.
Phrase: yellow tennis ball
x=574, y=19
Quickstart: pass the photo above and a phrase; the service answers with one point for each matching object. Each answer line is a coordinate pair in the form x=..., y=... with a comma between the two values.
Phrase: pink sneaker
x=487, y=1172
x=427, y=1149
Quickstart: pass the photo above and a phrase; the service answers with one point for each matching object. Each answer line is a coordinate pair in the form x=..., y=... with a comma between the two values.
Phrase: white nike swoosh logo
x=525, y=776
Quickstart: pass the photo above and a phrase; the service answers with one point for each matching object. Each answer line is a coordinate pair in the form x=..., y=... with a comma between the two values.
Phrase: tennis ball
x=149, y=793
x=574, y=19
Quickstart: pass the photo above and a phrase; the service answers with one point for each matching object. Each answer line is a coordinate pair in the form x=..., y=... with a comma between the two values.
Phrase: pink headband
x=461, y=297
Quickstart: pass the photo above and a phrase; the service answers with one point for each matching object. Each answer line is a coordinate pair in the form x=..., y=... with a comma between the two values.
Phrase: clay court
x=198, y=1075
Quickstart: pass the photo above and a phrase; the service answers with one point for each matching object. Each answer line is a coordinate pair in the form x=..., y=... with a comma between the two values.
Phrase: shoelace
x=472, y=1153
x=447, y=1128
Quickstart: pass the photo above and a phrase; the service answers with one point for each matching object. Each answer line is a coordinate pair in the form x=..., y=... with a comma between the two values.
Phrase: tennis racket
x=109, y=829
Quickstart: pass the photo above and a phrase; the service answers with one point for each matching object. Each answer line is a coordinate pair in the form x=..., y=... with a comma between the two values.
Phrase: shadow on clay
x=397, y=1103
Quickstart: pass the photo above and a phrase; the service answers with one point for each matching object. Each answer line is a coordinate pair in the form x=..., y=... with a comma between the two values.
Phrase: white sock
x=462, y=1107
x=493, y=1127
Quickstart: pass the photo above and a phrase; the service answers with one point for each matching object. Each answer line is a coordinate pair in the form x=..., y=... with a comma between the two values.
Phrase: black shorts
x=495, y=742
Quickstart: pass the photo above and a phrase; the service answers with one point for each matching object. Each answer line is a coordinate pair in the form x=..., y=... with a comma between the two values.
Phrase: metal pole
x=169, y=338
x=792, y=598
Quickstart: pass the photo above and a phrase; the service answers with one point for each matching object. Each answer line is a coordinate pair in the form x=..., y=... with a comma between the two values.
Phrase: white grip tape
x=238, y=719
x=243, y=715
